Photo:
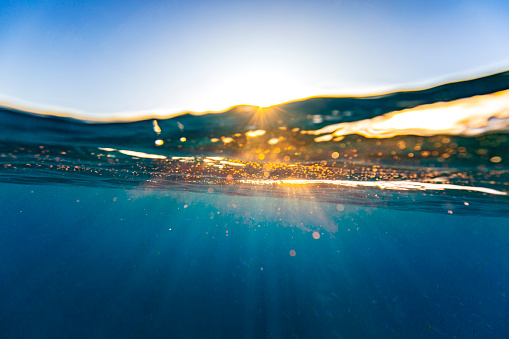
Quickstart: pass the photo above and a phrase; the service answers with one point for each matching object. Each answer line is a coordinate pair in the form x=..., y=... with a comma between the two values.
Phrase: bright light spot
x=316, y=235
x=394, y=185
x=496, y=159
x=273, y=141
x=157, y=129
x=340, y=207
x=292, y=253
x=226, y=140
x=254, y=134
x=260, y=87
x=142, y=155
x=335, y=155
x=183, y=139
x=326, y=137
x=159, y=142
x=468, y=117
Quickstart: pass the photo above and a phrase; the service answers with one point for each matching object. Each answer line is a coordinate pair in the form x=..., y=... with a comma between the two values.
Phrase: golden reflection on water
x=466, y=117
x=299, y=175
x=382, y=184
x=269, y=150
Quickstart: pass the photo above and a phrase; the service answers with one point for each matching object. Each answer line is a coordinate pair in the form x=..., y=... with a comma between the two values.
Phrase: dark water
x=316, y=219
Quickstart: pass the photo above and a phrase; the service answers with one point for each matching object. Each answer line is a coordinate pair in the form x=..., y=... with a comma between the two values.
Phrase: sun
x=261, y=88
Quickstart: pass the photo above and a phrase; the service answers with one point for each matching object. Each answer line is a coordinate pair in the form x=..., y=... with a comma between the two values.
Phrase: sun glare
x=257, y=88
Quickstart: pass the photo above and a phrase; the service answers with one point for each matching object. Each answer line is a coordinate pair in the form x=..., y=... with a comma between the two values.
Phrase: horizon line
x=166, y=113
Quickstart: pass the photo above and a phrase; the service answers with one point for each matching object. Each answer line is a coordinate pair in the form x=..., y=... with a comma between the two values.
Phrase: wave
x=449, y=141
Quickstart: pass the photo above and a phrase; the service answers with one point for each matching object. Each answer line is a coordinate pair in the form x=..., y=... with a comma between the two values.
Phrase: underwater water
x=376, y=217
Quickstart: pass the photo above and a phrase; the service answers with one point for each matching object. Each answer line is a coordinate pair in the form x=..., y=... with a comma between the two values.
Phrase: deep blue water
x=86, y=262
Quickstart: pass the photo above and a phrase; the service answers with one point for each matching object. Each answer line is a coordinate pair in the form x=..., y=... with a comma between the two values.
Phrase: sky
x=121, y=58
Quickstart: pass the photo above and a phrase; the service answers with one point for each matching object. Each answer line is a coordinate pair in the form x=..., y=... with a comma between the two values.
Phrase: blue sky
x=105, y=58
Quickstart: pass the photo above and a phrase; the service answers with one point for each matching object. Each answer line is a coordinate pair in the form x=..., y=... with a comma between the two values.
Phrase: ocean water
x=365, y=217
